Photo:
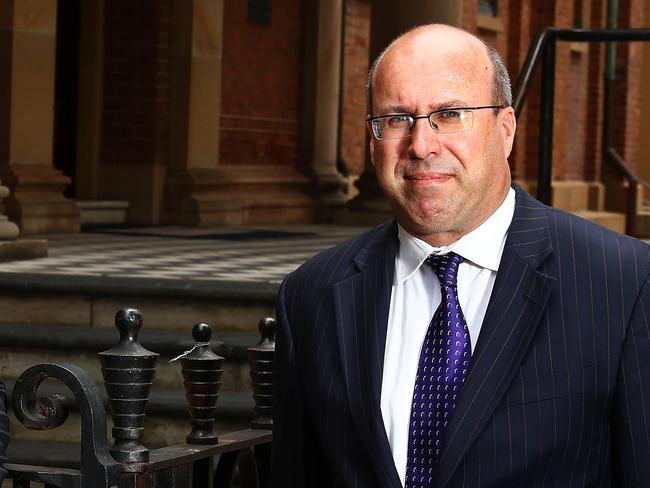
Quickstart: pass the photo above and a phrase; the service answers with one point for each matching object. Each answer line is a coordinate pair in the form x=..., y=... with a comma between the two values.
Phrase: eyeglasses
x=443, y=121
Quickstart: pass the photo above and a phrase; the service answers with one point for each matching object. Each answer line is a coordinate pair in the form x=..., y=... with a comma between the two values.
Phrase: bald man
x=481, y=339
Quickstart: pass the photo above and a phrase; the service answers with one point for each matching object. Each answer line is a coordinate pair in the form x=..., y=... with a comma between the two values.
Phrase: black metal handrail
x=550, y=35
x=633, y=180
x=543, y=50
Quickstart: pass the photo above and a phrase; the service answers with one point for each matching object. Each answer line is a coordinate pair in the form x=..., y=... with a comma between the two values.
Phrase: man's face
x=441, y=186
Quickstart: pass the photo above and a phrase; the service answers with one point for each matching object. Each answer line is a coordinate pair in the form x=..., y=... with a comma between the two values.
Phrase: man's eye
x=398, y=120
x=450, y=114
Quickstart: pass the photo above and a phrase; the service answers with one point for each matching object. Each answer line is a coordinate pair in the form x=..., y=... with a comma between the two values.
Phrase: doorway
x=66, y=89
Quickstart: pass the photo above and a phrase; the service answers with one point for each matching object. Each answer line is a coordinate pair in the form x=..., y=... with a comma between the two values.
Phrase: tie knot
x=445, y=266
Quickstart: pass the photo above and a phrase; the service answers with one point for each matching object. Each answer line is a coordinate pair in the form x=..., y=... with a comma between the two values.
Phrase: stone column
x=27, y=59
x=199, y=191
x=328, y=182
x=388, y=20
x=89, y=116
x=195, y=108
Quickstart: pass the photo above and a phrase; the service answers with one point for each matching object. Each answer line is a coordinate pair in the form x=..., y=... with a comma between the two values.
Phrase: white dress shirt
x=415, y=297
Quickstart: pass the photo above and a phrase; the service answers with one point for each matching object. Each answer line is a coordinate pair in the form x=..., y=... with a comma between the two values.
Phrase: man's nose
x=424, y=140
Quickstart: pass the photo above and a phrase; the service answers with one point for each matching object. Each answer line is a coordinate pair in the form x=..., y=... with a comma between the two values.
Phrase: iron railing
x=543, y=50
x=207, y=460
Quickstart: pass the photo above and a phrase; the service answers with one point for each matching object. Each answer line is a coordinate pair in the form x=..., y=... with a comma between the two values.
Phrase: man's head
x=442, y=185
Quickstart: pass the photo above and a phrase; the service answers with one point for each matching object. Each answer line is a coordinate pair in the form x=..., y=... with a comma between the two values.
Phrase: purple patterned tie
x=444, y=360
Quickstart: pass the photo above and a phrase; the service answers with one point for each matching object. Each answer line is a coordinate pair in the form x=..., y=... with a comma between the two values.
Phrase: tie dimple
x=444, y=360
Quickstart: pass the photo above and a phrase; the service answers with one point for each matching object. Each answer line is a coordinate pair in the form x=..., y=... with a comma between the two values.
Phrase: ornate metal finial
x=202, y=371
x=128, y=371
x=260, y=358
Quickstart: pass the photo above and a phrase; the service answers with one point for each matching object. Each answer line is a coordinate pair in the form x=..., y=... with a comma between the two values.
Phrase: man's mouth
x=427, y=177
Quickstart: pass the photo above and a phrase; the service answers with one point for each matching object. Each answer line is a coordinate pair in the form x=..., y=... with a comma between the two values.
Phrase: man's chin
x=426, y=221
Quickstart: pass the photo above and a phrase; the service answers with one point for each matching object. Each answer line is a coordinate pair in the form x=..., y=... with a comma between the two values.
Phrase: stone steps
x=102, y=212
x=611, y=220
x=54, y=454
x=643, y=222
x=585, y=199
x=92, y=301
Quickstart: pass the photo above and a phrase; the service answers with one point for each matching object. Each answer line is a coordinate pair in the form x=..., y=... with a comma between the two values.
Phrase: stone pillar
x=27, y=59
x=199, y=191
x=329, y=184
x=89, y=116
x=388, y=20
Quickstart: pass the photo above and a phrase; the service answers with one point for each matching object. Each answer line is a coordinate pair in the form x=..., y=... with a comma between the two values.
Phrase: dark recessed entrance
x=66, y=88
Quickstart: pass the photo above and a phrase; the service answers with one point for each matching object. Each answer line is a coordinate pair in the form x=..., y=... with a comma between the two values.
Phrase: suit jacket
x=558, y=393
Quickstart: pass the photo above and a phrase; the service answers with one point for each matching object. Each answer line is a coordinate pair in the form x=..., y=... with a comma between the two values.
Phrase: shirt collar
x=482, y=247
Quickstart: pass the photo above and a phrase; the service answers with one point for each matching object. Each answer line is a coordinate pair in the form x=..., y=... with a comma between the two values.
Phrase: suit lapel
x=518, y=299
x=361, y=305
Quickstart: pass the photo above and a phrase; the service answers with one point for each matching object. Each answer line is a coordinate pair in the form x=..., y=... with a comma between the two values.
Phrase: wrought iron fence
x=236, y=459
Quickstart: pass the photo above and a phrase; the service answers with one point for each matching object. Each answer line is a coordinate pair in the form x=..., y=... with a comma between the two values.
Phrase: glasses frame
x=370, y=120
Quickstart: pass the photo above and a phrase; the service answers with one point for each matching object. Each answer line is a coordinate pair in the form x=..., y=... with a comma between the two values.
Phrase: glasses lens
x=448, y=121
x=392, y=126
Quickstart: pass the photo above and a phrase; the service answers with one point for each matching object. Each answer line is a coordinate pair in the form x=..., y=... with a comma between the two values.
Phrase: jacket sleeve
x=631, y=408
x=4, y=431
x=293, y=434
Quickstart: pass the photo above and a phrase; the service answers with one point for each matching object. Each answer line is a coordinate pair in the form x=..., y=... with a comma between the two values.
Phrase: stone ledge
x=45, y=283
x=104, y=212
x=22, y=249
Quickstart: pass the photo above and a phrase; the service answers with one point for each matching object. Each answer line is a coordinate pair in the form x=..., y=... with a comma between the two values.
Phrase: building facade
x=237, y=112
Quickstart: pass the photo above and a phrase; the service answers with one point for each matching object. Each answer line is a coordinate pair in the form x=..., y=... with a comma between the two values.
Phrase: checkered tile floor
x=185, y=254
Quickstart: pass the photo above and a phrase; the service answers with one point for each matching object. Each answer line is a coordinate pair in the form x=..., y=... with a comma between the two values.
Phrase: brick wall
x=627, y=87
x=468, y=15
x=518, y=40
x=576, y=98
x=494, y=30
x=595, y=93
x=579, y=89
x=136, y=82
x=357, y=37
x=262, y=75
x=263, y=83
x=544, y=14
x=625, y=94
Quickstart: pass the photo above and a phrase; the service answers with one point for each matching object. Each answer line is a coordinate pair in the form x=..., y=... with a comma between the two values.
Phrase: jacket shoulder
x=571, y=231
x=336, y=263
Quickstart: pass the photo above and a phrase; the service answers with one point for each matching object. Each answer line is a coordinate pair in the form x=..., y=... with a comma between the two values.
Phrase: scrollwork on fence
x=98, y=468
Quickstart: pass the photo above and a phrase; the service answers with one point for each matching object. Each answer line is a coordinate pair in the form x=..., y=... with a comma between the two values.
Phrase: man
x=482, y=339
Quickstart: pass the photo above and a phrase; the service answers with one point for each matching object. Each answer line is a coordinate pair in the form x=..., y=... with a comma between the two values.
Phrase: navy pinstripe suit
x=559, y=390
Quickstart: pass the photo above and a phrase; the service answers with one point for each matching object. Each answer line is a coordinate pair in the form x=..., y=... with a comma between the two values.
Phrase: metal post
x=631, y=207
x=546, y=124
x=610, y=57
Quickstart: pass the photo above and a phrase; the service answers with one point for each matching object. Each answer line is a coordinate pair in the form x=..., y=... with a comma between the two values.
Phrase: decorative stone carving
x=8, y=230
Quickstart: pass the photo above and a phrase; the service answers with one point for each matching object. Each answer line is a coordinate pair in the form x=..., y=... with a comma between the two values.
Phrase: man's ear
x=508, y=128
x=371, y=143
